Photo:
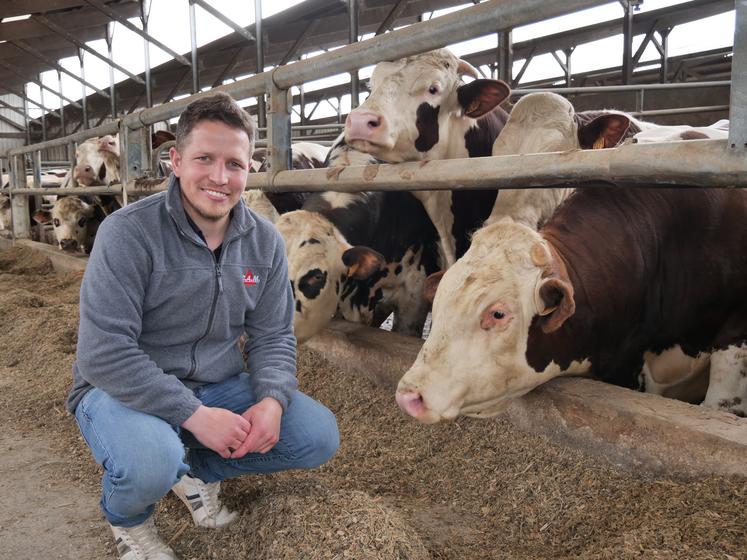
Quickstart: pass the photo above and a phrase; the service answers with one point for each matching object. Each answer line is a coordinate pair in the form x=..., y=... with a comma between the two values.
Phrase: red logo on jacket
x=250, y=279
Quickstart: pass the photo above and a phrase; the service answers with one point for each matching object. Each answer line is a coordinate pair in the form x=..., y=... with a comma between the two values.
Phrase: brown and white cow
x=547, y=122
x=673, y=133
x=419, y=109
x=614, y=277
x=76, y=220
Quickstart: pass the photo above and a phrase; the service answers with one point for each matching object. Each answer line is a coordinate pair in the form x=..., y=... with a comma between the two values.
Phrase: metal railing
x=705, y=163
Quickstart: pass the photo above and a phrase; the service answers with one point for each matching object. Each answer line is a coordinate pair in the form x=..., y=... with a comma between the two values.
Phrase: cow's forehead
x=410, y=69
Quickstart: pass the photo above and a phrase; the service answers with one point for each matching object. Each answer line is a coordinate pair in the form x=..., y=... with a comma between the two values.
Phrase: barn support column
x=279, y=128
x=144, y=16
x=664, y=72
x=43, y=114
x=193, y=43
x=505, y=55
x=83, y=102
x=261, y=104
x=627, y=62
x=19, y=204
x=62, y=106
x=738, y=100
x=112, y=87
x=353, y=38
x=26, y=117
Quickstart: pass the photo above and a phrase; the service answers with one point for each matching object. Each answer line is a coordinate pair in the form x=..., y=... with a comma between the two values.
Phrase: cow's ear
x=362, y=262
x=482, y=96
x=431, y=285
x=161, y=137
x=42, y=216
x=605, y=131
x=555, y=303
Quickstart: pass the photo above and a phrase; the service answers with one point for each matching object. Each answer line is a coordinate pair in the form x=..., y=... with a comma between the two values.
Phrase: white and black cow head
x=474, y=360
x=97, y=161
x=73, y=221
x=5, y=213
x=320, y=262
x=420, y=109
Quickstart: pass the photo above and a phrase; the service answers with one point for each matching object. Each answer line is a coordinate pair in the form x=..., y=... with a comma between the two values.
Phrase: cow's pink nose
x=363, y=125
x=411, y=402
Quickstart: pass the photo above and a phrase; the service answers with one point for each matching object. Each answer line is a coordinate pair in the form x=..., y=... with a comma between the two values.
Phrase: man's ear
x=555, y=303
x=431, y=285
x=482, y=96
x=362, y=262
x=176, y=160
x=605, y=131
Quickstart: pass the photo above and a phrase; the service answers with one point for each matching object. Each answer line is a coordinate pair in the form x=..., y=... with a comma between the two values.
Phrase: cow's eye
x=498, y=315
x=82, y=222
x=433, y=90
x=56, y=222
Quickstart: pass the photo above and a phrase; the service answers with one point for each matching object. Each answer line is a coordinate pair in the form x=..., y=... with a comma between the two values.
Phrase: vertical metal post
x=302, y=97
x=353, y=38
x=627, y=63
x=36, y=168
x=279, y=129
x=43, y=112
x=112, y=89
x=193, y=41
x=664, y=71
x=738, y=99
x=62, y=105
x=144, y=15
x=568, y=72
x=261, y=105
x=26, y=113
x=505, y=56
x=83, y=99
x=19, y=204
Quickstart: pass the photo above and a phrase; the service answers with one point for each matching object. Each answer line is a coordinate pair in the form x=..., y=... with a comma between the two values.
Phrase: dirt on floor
x=468, y=490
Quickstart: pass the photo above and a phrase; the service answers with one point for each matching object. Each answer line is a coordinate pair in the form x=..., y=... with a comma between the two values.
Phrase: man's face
x=212, y=167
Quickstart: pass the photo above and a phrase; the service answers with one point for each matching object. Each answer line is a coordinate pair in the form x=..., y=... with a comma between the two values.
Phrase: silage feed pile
x=467, y=490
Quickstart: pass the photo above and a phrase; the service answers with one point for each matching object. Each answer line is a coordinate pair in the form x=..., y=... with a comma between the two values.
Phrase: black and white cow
x=420, y=109
x=364, y=254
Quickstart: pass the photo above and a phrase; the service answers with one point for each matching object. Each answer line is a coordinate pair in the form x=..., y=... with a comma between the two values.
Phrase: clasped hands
x=234, y=435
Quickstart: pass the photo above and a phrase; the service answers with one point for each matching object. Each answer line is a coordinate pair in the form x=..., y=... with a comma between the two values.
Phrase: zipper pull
x=220, y=279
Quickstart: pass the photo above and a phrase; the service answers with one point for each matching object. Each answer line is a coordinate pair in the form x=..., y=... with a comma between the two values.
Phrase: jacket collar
x=241, y=219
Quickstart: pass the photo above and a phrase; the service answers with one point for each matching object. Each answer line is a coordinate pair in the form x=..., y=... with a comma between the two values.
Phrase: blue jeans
x=144, y=456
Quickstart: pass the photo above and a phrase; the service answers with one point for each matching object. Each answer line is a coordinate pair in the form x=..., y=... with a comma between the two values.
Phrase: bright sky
x=169, y=23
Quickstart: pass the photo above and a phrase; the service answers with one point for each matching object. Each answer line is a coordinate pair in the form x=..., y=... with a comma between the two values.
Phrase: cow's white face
x=474, y=360
x=71, y=218
x=90, y=166
x=414, y=107
x=538, y=123
x=314, y=248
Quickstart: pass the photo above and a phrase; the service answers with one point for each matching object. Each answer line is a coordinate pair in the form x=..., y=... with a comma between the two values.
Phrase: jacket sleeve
x=271, y=344
x=111, y=309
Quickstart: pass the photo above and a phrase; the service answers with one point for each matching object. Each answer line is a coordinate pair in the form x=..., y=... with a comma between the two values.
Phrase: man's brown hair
x=219, y=107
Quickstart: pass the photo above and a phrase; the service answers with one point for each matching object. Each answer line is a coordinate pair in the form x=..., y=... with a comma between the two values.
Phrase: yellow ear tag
x=599, y=143
x=352, y=270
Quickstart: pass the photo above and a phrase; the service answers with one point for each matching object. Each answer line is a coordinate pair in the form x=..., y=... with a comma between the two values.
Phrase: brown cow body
x=616, y=277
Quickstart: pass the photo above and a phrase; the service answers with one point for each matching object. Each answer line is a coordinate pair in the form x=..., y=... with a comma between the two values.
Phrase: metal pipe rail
x=622, y=88
x=693, y=163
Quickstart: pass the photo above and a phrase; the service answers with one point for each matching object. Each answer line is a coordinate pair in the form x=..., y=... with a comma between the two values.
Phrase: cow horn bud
x=465, y=68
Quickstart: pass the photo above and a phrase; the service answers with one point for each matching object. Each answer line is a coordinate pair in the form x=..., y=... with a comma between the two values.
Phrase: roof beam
x=14, y=70
x=11, y=8
x=103, y=8
x=24, y=115
x=70, y=37
x=301, y=38
x=44, y=58
x=28, y=100
x=391, y=17
x=219, y=16
x=12, y=123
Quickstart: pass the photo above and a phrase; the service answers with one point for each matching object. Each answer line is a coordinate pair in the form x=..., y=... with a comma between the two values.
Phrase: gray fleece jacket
x=159, y=316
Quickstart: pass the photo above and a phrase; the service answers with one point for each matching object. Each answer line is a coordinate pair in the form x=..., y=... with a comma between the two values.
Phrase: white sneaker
x=202, y=500
x=141, y=542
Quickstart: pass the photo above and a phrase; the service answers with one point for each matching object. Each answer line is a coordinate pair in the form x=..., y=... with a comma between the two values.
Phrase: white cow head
x=97, y=161
x=420, y=109
x=5, y=213
x=75, y=223
x=320, y=260
x=474, y=360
